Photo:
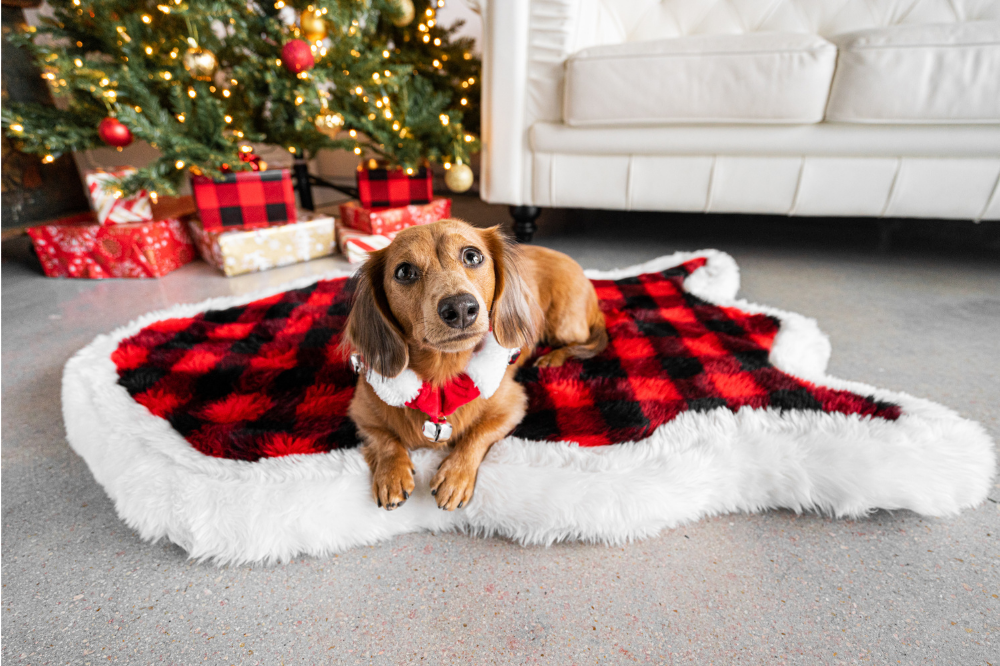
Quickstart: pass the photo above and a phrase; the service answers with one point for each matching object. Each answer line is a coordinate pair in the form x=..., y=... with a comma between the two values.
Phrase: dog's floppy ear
x=372, y=330
x=515, y=315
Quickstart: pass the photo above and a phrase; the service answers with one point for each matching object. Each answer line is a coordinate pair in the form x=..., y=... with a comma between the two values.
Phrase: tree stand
x=524, y=222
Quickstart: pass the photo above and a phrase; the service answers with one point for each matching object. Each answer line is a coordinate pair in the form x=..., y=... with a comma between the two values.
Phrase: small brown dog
x=437, y=319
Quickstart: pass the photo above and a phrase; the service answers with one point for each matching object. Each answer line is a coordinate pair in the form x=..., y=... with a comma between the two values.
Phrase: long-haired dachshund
x=437, y=321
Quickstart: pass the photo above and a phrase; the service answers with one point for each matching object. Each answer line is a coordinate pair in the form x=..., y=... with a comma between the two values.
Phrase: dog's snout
x=458, y=311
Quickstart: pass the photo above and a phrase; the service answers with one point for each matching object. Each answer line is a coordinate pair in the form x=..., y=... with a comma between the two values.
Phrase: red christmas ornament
x=297, y=56
x=114, y=133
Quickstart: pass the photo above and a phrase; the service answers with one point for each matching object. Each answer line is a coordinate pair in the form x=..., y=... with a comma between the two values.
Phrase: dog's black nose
x=458, y=311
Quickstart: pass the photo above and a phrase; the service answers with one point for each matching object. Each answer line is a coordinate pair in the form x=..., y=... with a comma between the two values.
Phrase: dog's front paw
x=454, y=482
x=392, y=482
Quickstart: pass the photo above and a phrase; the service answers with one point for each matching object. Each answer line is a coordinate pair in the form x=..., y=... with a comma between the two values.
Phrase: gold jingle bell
x=200, y=63
x=458, y=178
x=406, y=13
x=329, y=124
x=313, y=26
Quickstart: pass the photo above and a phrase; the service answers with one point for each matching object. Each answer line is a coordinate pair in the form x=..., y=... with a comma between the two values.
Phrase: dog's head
x=440, y=286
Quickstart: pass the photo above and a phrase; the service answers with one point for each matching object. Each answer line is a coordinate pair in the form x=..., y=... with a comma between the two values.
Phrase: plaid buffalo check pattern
x=255, y=381
x=267, y=379
x=669, y=352
x=392, y=188
x=245, y=199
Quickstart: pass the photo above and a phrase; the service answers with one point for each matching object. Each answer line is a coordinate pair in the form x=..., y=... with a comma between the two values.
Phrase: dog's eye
x=472, y=257
x=406, y=273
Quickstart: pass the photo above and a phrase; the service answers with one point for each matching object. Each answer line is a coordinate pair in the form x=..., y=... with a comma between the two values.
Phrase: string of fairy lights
x=320, y=66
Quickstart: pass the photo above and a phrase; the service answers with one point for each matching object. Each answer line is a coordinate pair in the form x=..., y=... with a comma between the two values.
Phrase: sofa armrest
x=525, y=45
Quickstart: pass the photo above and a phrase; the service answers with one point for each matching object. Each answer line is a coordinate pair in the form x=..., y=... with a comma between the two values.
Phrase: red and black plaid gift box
x=245, y=199
x=392, y=188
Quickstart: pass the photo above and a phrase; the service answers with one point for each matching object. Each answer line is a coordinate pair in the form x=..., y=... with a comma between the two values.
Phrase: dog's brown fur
x=532, y=295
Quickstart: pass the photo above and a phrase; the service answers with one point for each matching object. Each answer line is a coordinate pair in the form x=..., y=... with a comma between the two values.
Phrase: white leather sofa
x=799, y=107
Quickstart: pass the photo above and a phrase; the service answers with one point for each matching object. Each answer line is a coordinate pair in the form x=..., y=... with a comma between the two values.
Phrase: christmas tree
x=200, y=80
x=437, y=55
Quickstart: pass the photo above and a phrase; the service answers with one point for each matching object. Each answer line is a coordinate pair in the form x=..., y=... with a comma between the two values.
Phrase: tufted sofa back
x=558, y=28
x=638, y=20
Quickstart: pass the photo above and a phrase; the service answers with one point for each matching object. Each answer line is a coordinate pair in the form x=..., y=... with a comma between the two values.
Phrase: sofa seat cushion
x=935, y=73
x=750, y=78
x=826, y=139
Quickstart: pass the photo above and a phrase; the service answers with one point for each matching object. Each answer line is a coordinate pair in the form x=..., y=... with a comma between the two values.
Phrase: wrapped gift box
x=391, y=188
x=245, y=199
x=355, y=245
x=391, y=220
x=235, y=252
x=107, y=202
x=79, y=247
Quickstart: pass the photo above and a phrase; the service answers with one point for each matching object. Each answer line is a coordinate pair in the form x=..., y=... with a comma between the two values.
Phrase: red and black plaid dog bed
x=224, y=425
x=267, y=379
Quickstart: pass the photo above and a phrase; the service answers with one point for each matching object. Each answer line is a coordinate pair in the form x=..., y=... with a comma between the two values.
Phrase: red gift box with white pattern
x=245, y=199
x=392, y=188
x=390, y=220
x=78, y=247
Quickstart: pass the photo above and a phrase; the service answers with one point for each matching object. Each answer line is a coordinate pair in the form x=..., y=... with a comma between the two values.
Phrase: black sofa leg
x=524, y=222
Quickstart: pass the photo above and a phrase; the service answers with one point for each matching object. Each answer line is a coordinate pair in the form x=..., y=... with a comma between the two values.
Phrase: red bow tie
x=438, y=402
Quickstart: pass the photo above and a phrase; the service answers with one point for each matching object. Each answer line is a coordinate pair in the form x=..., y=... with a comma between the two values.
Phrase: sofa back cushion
x=752, y=78
x=640, y=20
x=944, y=73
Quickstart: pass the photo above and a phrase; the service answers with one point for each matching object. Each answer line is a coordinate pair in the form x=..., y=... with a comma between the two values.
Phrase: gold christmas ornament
x=200, y=63
x=458, y=178
x=329, y=124
x=314, y=27
x=405, y=13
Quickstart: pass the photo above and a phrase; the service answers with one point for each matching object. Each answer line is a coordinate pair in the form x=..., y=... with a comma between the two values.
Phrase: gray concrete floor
x=920, y=315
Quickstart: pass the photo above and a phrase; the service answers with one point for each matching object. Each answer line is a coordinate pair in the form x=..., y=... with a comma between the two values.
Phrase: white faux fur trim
x=486, y=369
x=930, y=460
x=395, y=391
x=488, y=366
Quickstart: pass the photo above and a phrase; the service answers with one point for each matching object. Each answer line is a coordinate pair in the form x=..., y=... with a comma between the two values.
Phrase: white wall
x=463, y=9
